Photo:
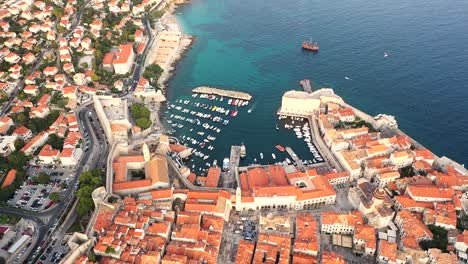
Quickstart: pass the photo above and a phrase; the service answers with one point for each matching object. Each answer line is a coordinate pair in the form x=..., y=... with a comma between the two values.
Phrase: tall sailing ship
x=312, y=46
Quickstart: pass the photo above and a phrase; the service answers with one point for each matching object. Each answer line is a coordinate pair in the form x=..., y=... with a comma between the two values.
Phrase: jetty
x=306, y=85
x=223, y=92
x=229, y=177
x=234, y=158
x=296, y=159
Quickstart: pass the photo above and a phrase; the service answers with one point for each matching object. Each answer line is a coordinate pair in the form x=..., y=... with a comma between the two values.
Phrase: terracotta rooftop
x=9, y=179
x=388, y=250
x=351, y=219
x=245, y=252
x=430, y=191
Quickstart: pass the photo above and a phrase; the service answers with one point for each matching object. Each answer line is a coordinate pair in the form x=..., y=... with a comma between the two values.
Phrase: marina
x=201, y=120
x=204, y=122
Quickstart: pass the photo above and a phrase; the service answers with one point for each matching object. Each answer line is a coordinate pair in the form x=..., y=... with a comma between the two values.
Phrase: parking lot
x=35, y=197
x=51, y=256
x=54, y=171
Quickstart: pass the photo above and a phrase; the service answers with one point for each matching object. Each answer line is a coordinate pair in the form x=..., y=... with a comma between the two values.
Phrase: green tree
x=57, y=12
x=152, y=73
x=4, y=219
x=58, y=100
x=92, y=178
x=92, y=257
x=85, y=206
x=54, y=196
x=85, y=191
x=19, y=143
x=17, y=160
x=407, y=171
x=43, y=178
x=140, y=111
x=440, y=239
x=143, y=123
x=110, y=250
x=55, y=141
x=89, y=181
x=20, y=119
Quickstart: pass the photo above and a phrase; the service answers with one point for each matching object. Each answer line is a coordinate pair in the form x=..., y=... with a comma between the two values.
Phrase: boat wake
x=251, y=109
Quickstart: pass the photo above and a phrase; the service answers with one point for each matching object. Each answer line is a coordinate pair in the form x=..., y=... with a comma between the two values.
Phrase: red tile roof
x=9, y=179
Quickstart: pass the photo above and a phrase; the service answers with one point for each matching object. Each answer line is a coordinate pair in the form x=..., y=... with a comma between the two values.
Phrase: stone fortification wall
x=105, y=124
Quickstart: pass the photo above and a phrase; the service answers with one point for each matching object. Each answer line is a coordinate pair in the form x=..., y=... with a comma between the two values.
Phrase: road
x=20, y=85
x=141, y=59
x=93, y=158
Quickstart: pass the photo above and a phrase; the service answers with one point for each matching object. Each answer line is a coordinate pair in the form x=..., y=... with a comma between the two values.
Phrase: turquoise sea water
x=254, y=46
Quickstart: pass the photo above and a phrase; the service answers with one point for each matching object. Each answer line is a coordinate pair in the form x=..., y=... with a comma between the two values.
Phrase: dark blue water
x=254, y=46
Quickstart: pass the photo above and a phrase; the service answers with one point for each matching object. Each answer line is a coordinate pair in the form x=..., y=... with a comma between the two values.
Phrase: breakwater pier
x=306, y=85
x=296, y=159
x=223, y=92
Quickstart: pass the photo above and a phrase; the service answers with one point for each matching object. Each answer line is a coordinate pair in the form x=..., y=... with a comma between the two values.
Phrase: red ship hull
x=308, y=46
x=280, y=148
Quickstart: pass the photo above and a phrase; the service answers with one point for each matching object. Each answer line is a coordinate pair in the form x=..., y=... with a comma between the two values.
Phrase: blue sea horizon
x=254, y=46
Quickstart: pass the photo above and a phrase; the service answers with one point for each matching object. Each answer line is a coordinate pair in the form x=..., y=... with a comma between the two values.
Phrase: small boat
x=229, y=101
x=234, y=113
x=280, y=148
x=288, y=161
x=273, y=155
x=277, y=128
x=251, y=109
x=243, y=151
x=226, y=164
x=261, y=155
x=310, y=46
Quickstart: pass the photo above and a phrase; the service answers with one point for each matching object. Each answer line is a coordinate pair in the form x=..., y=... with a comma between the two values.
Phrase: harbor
x=223, y=92
x=204, y=122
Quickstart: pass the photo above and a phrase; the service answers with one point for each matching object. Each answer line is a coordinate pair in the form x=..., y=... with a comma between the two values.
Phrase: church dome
x=379, y=193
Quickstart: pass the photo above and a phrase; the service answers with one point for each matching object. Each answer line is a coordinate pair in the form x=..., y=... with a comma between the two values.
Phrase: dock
x=295, y=158
x=229, y=177
x=306, y=85
x=222, y=92
x=234, y=158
